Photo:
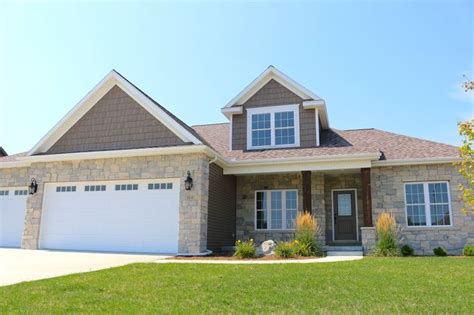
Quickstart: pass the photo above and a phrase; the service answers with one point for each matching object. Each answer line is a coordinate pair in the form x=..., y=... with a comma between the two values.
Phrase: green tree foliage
x=466, y=166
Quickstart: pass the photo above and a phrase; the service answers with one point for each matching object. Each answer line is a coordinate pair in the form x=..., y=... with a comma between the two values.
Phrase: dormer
x=275, y=112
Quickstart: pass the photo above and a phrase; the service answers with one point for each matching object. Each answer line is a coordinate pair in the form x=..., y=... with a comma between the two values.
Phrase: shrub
x=303, y=249
x=245, y=249
x=406, y=250
x=285, y=249
x=387, y=234
x=307, y=229
x=440, y=251
x=468, y=250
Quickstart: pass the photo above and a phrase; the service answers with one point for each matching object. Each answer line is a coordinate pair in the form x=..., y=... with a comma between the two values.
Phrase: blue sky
x=392, y=65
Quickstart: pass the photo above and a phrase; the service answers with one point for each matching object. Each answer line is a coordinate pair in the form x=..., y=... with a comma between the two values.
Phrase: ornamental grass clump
x=306, y=235
x=285, y=249
x=387, y=236
x=245, y=249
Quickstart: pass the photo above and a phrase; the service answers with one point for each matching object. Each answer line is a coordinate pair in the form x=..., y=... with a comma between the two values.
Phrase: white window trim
x=269, y=210
x=272, y=110
x=316, y=114
x=427, y=205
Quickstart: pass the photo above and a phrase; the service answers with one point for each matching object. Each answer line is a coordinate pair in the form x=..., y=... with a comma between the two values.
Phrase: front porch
x=340, y=201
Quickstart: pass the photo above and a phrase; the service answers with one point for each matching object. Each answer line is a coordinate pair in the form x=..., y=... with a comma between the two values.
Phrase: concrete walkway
x=327, y=259
x=18, y=265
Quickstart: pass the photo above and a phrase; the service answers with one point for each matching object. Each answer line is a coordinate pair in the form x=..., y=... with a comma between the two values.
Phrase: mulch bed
x=230, y=257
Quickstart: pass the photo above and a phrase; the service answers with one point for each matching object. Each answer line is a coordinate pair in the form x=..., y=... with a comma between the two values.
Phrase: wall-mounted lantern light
x=33, y=187
x=188, y=182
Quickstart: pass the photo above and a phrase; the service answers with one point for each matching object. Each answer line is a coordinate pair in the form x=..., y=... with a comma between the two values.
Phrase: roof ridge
x=356, y=129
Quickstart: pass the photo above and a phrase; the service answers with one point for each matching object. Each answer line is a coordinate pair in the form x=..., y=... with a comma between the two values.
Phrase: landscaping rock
x=266, y=248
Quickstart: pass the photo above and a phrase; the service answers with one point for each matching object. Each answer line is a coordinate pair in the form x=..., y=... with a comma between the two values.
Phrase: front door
x=345, y=224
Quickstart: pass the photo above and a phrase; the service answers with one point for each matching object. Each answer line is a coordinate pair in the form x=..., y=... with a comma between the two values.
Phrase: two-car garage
x=139, y=216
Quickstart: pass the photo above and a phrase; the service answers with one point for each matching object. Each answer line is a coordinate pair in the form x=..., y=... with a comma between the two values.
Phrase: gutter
x=426, y=161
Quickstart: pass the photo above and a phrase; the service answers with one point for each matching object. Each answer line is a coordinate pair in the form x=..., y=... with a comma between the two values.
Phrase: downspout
x=213, y=160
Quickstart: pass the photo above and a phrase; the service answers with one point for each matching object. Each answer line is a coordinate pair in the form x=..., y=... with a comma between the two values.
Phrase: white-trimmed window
x=428, y=204
x=275, y=209
x=273, y=127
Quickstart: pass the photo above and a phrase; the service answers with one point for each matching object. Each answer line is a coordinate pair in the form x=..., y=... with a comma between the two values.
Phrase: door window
x=344, y=206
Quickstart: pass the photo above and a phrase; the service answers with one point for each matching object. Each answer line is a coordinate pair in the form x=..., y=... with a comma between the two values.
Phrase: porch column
x=307, y=191
x=366, y=196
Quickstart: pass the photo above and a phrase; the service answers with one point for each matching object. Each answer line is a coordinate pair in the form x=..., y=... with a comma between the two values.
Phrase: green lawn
x=377, y=285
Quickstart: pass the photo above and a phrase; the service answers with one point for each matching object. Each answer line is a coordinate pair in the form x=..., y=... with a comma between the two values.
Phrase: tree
x=466, y=166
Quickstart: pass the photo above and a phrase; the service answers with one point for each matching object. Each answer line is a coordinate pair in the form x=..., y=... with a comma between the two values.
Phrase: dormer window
x=273, y=127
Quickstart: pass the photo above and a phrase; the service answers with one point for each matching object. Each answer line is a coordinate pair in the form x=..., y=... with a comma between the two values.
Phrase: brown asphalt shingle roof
x=335, y=142
x=11, y=158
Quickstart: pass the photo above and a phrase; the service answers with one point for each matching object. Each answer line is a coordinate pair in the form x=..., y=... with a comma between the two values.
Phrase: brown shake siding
x=271, y=94
x=221, y=209
x=116, y=122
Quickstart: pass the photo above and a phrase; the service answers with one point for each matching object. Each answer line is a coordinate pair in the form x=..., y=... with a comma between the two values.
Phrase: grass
x=374, y=285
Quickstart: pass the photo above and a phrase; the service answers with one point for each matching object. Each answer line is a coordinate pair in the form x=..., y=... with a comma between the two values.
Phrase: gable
x=272, y=93
x=115, y=122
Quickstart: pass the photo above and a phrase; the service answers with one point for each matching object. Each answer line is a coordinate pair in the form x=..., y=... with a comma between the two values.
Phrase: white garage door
x=12, y=215
x=126, y=216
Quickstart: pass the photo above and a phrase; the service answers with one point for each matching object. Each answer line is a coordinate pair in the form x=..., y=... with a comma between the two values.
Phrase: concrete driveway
x=18, y=265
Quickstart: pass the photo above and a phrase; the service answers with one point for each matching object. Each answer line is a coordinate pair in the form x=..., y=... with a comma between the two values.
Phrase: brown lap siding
x=221, y=209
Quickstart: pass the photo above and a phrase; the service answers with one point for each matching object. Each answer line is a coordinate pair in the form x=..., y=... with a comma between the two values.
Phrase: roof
x=176, y=119
x=336, y=142
x=183, y=131
x=310, y=100
x=12, y=158
x=3, y=152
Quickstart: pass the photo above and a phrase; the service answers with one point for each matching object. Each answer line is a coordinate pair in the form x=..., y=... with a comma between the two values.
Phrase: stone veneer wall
x=14, y=177
x=342, y=181
x=388, y=195
x=248, y=184
x=193, y=204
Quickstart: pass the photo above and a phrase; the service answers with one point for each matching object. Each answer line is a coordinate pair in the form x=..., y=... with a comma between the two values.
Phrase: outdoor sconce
x=33, y=187
x=188, y=182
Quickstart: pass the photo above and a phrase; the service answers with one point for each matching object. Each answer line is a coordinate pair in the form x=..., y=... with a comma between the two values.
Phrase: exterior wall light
x=33, y=187
x=188, y=182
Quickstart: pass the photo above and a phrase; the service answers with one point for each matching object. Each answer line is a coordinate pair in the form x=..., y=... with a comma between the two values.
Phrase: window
x=284, y=128
x=158, y=186
x=66, y=189
x=126, y=187
x=273, y=126
x=428, y=204
x=21, y=192
x=94, y=188
x=3, y=192
x=261, y=130
x=276, y=209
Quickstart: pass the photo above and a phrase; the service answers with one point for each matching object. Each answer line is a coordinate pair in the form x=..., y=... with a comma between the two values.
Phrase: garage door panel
x=140, y=220
x=12, y=215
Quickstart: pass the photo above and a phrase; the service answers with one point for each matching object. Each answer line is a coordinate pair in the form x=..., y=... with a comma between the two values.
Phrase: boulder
x=266, y=248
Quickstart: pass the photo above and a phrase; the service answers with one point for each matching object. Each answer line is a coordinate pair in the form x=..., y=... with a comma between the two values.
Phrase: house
x=121, y=173
x=3, y=152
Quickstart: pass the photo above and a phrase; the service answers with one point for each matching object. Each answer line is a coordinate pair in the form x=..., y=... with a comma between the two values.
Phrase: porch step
x=343, y=250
